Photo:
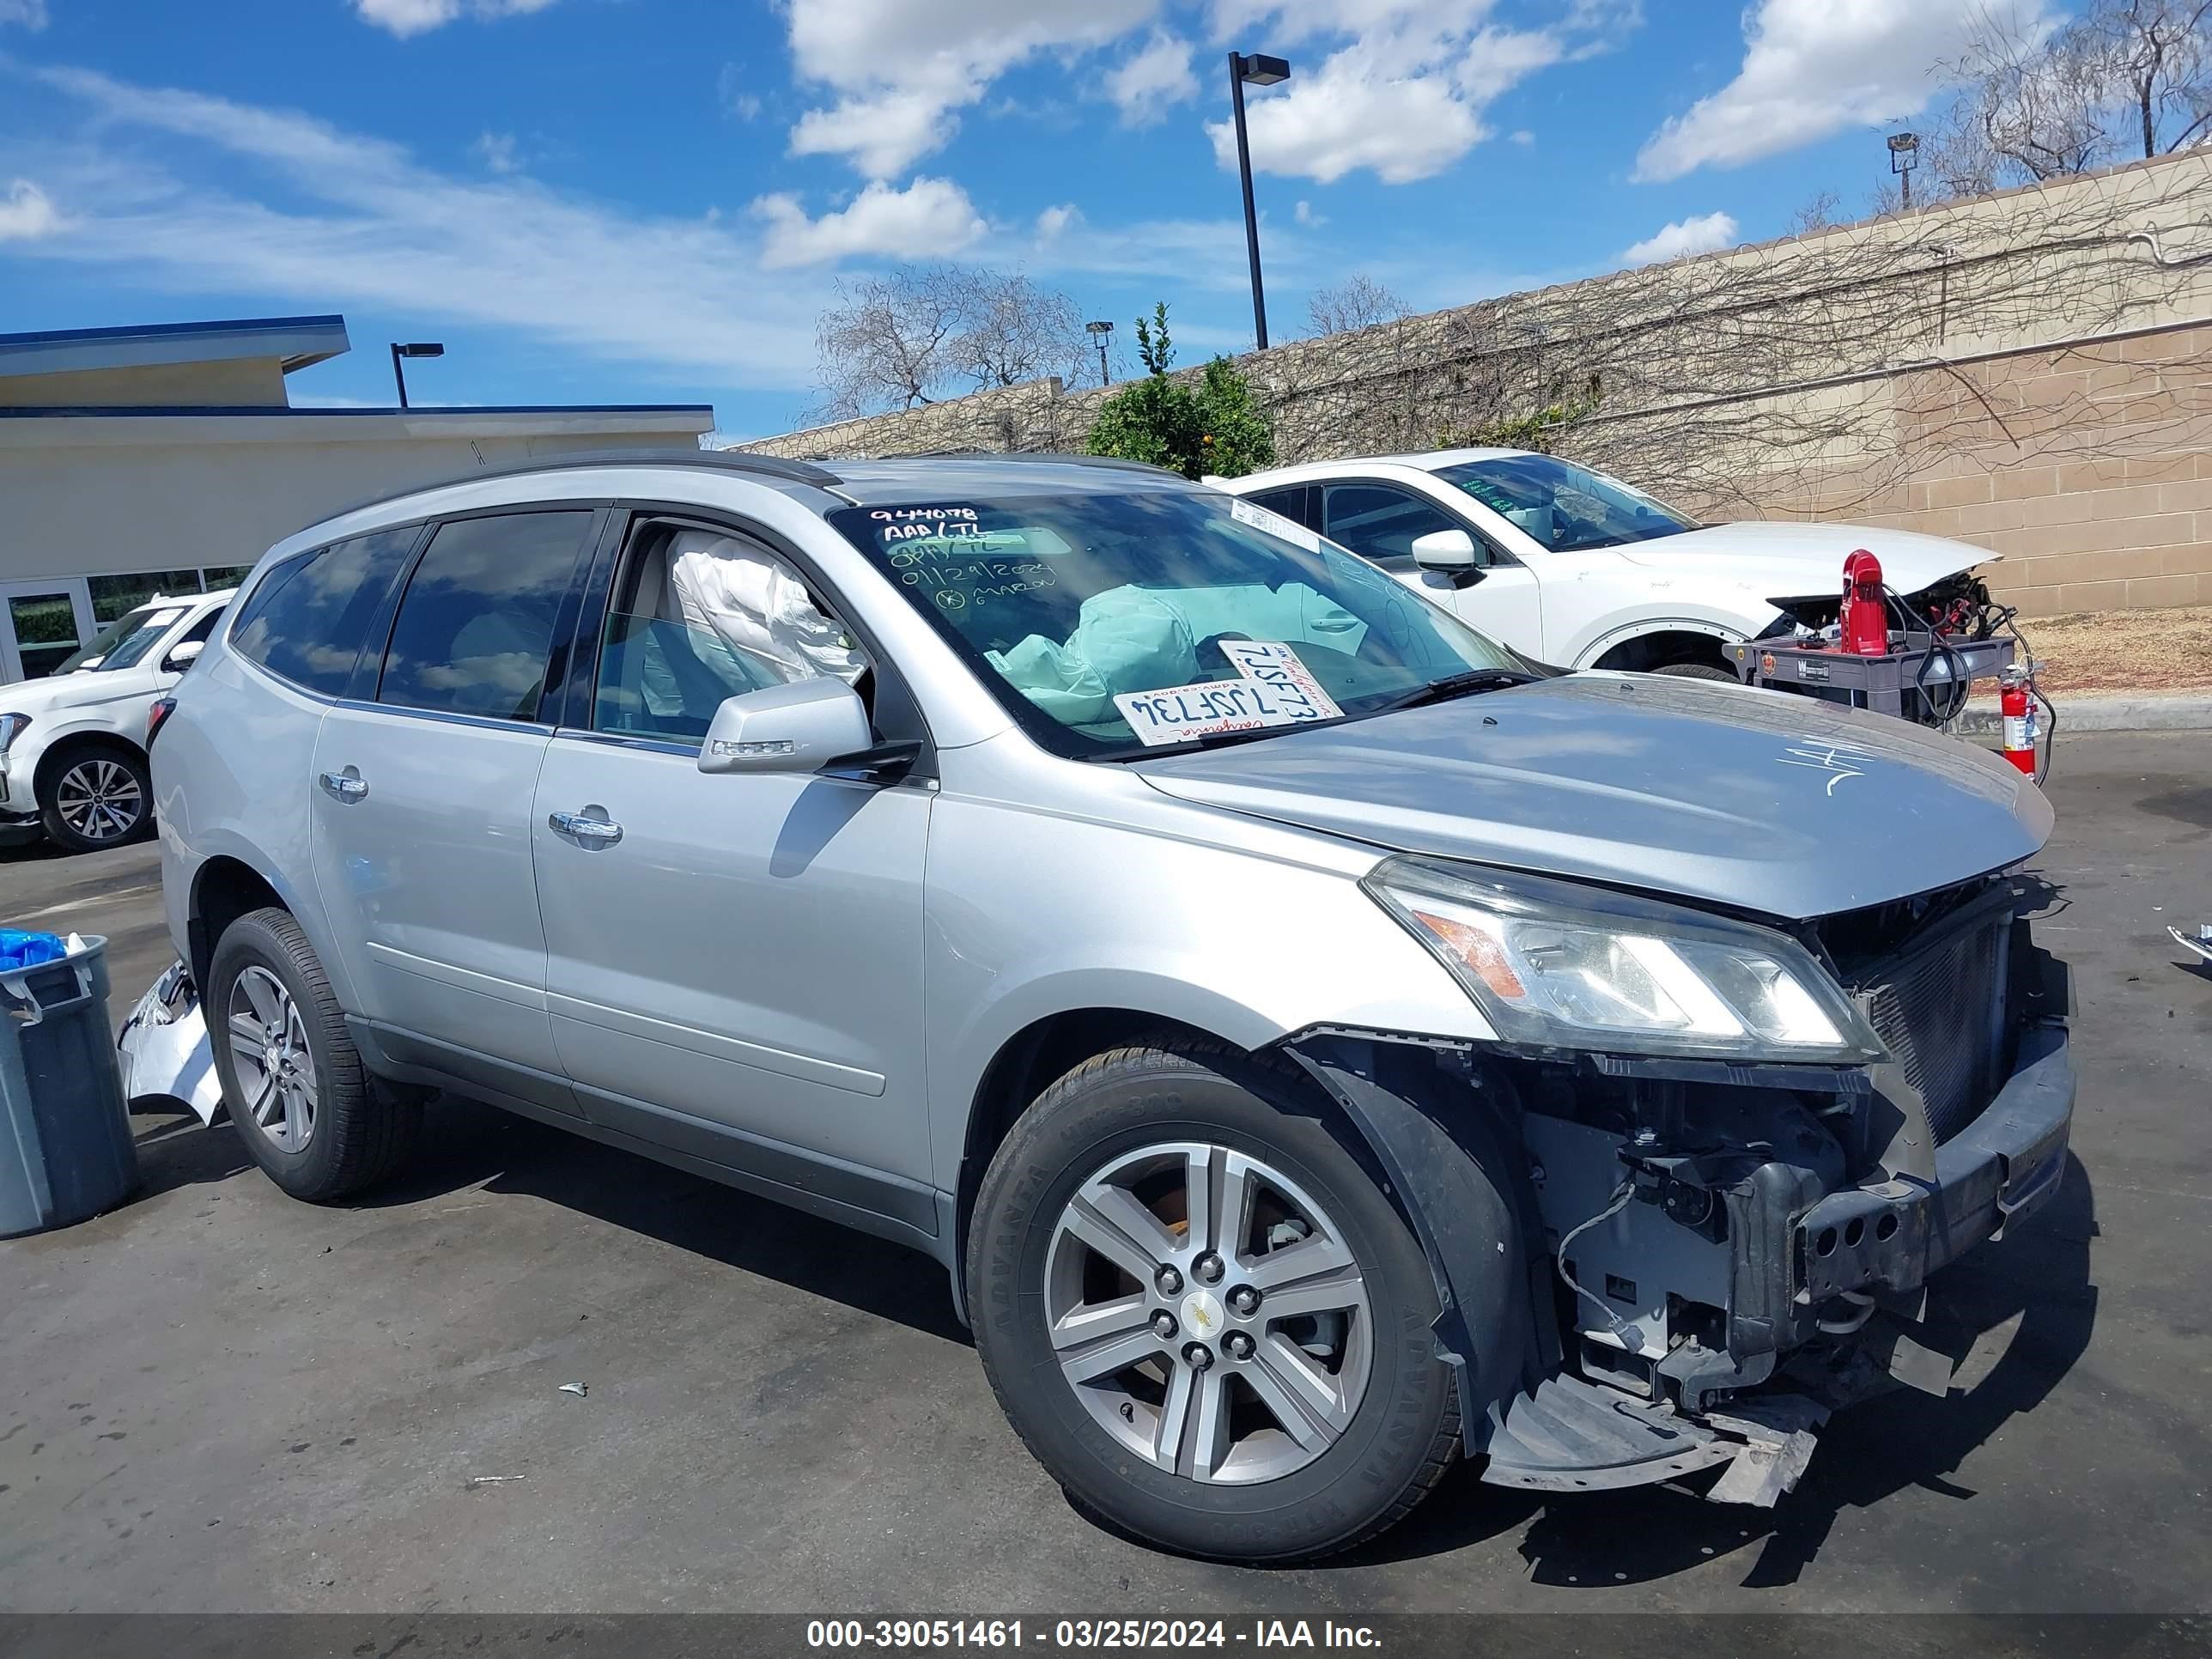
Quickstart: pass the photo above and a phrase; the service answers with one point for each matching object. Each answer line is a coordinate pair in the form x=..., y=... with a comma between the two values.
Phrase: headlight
x=11, y=727
x=1560, y=965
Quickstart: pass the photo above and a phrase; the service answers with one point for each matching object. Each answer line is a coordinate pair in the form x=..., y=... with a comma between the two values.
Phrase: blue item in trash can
x=19, y=949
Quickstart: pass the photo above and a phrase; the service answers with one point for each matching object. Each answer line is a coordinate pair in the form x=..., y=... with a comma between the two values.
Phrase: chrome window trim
x=447, y=717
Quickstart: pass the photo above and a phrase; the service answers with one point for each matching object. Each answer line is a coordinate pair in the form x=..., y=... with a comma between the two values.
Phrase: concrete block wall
x=2090, y=470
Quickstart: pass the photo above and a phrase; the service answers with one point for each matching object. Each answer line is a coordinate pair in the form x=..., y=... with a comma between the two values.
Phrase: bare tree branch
x=920, y=333
x=1358, y=301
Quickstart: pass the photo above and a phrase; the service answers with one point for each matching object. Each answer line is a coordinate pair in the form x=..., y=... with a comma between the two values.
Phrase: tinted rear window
x=475, y=630
x=306, y=620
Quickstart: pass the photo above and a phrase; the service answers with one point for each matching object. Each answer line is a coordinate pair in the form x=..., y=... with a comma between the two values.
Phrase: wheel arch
x=1664, y=643
x=1025, y=1065
x=69, y=744
x=225, y=888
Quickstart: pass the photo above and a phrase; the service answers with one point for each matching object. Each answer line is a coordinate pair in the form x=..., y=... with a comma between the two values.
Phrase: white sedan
x=1572, y=568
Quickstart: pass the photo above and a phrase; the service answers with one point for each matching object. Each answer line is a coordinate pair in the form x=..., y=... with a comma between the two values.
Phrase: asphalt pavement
x=216, y=1398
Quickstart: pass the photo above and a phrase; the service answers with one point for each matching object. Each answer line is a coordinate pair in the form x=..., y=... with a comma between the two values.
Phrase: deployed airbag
x=1133, y=639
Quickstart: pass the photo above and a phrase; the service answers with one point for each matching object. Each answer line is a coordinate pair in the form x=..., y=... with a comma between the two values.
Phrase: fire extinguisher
x=2016, y=703
x=1862, y=622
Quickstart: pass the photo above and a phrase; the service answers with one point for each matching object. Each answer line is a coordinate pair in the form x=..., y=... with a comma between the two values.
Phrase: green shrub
x=1216, y=428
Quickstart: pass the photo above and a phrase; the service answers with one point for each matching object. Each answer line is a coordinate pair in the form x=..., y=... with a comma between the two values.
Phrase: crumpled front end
x=1741, y=1251
x=1718, y=1255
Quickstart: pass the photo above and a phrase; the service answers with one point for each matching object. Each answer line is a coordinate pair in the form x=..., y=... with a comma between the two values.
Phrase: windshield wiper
x=1456, y=685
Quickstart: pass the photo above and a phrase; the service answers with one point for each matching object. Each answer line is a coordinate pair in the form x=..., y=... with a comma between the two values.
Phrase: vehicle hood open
x=1792, y=561
x=1757, y=800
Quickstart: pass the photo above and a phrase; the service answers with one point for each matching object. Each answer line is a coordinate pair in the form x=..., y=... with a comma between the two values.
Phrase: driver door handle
x=577, y=826
x=348, y=786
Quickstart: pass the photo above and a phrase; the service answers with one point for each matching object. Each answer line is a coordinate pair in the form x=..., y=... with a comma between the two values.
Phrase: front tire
x=1697, y=671
x=309, y=1113
x=96, y=797
x=1202, y=1313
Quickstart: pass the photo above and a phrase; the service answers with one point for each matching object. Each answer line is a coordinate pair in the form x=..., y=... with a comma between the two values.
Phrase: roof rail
x=1053, y=456
x=719, y=460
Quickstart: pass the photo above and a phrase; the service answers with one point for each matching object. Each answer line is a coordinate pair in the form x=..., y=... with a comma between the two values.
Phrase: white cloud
x=733, y=86
x=1053, y=220
x=162, y=192
x=1304, y=213
x=1348, y=116
x=31, y=14
x=903, y=68
x=930, y=218
x=407, y=17
x=1145, y=87
x=500, y=151
x=1706, y=234
x=26, y=213
x=1405, y=97
x=1520, y=135
x=1812, y=68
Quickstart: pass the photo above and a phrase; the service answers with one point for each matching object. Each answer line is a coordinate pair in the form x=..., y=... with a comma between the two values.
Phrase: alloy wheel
x=270, y=1053
x=99, y=800
x=1208, y=1313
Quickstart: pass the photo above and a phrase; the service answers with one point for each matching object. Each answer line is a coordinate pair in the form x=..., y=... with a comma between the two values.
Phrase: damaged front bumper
x=164, y=1049
x=1888, y=1236
x=1820, y=1296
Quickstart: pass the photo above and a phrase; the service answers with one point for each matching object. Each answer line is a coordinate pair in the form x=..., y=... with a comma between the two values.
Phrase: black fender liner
x=1443, y=1131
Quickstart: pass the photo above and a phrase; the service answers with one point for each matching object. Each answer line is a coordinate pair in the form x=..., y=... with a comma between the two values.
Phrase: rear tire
x=310, y=1115
x=1337, y=1339
x=96, y=796
x=1697, y=671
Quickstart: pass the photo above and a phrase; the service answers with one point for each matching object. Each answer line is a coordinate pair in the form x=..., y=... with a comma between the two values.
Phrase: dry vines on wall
x=1824, y=369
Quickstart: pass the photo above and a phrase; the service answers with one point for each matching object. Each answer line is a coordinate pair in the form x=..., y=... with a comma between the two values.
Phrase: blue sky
x=650, y=200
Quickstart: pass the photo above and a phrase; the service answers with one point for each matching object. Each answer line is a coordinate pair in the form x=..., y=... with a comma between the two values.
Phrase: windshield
x=1562, y=507
x=1116, y=625
x=126, y=639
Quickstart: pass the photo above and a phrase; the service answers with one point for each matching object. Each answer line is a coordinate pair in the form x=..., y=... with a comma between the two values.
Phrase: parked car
x=1570, y=567
x=1314, y=1043
x=72, y=745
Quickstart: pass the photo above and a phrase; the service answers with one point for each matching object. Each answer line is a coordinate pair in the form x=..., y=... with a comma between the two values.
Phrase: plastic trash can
x=66, y=1151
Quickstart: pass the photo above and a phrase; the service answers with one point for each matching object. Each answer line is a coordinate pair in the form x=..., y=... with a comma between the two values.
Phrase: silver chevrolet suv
x=1316, y=1041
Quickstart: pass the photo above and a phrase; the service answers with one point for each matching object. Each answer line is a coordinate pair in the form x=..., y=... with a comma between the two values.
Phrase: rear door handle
x=348, y=786
x=581, y=826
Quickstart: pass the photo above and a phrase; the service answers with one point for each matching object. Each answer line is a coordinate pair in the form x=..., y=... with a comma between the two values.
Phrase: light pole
x=426, y=348
x=1260, y=71
x=1100, y=333
x=1904, y=156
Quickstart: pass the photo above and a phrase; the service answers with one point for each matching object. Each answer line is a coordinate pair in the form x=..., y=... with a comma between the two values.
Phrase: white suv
x=73, y=746
x=1568, y=566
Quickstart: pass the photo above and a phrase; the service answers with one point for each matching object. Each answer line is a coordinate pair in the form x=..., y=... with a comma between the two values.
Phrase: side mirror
x=1449, y=552
x=183, y=657
x=798, y=727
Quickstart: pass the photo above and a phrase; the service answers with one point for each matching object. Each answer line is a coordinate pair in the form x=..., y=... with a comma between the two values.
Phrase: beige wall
x=247, y=383
x=2089, y=469
x=179, y=498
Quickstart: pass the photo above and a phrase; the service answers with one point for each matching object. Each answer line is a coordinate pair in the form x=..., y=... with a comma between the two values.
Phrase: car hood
x=60, y=692
x=1779, y=561
x=1757, y=800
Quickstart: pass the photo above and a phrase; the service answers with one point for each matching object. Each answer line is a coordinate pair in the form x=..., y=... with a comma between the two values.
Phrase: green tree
x=1217, y=427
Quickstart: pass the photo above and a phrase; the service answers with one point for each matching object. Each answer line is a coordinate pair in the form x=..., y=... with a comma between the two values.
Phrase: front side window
x=305, y=621
x=474, y=634
x=1381, y=522
x=699, y=616
x=1562, y=507
x=1068, y=605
